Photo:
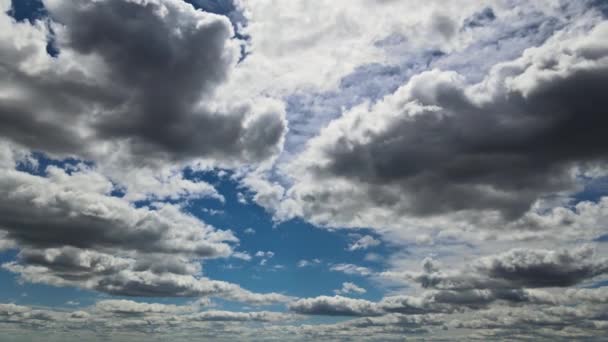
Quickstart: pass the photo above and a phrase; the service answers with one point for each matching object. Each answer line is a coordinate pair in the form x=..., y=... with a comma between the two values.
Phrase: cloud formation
x=526, y=131
x=134, y=77
x=466, y=139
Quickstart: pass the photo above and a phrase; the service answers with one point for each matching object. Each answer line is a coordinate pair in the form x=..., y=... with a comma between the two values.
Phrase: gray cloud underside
x=439, y=146
x=142, y=75
x=69, y=232
x=517, y=268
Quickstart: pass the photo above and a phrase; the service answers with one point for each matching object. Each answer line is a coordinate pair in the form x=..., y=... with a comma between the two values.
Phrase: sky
x=294, y=170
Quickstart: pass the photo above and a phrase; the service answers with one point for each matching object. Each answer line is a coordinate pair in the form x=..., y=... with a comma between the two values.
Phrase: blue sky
x=289, y=170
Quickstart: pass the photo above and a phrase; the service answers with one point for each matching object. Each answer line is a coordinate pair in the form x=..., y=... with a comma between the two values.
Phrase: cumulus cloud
x=70, y=232
x=132, y=76
x=121, y=276
x=139, y=320
x=439, y=147
x=542, y=268
x=335, y=306
x=461, y=131
x=514, y=269
x=137, y=82
x=428, y=302
x=74, y=210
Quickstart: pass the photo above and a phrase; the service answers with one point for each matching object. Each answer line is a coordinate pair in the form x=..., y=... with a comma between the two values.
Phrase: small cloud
x=424, y=239
x=306, y=263
x=351, y=269
x=241, y=198
x=262, y=254
x=249, y=231
x=364, y=243
x=241, y=255
x=72, y=303
x=213, y=211
x=373, y=257
x=348, y=288
x=265, y=256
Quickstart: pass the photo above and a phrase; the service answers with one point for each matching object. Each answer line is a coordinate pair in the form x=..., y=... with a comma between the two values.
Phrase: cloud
x=515, y=269
x=242, y=255
x=503, y=143
x=132, y=76
x=69, y=232
x=139, y=320
x=334, y=306
x=351, y=269
x=118, y=276
x=428, y=302
x=131, y=308
x=264, y=256
x=364, y=243
x=307, y=263
x=74, y=210
x=466, y=136
x=348, y=287
x=542, y=268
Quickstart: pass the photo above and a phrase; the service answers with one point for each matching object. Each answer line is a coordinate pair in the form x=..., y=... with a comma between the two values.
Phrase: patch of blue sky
x=38, y=163
x=32, y=10
x=593, y=190
x=290, y=242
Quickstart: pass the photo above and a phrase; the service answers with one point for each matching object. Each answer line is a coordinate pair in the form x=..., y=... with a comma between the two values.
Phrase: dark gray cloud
x=440, y=146
x=57, y=212
x=124, y=276
x=142, y=75
x=541, y=268
x=70, y=233
x=335, y=306
x=480, y=18
x=517, y=269
x=428, y=302
x=142, y=321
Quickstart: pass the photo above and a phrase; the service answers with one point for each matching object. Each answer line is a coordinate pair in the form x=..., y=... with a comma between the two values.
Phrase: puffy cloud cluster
x=453, y=162
x=440, y=151
x=71, y=233
x=514, y=269
x=132, y=92
x=139, y=320
x=135, y=77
